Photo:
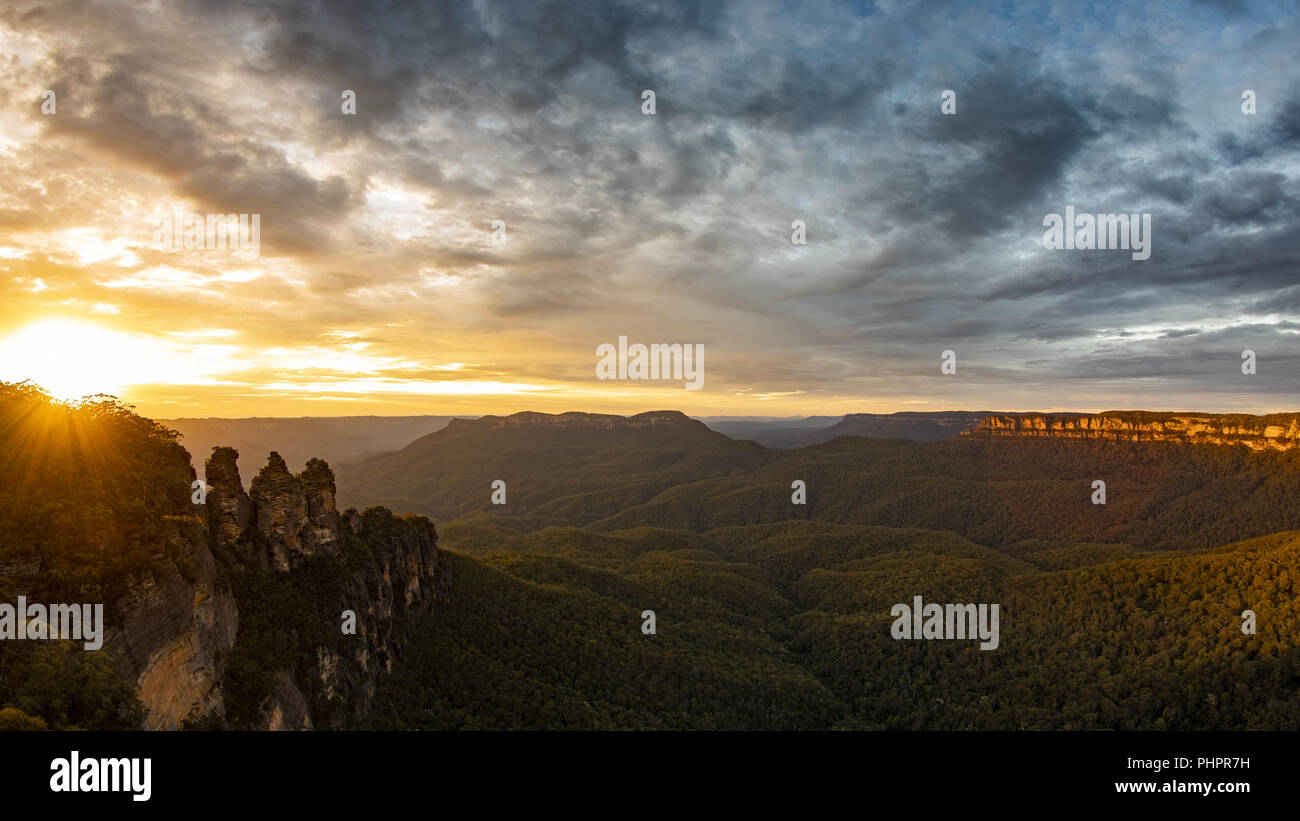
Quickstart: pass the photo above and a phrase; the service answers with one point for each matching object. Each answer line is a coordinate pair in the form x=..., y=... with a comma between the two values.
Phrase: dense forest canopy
x=768, y=615
x=787, y=626
x=89, y=492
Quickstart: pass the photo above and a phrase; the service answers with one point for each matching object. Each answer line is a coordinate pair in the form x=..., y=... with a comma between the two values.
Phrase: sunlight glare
x=73, y=359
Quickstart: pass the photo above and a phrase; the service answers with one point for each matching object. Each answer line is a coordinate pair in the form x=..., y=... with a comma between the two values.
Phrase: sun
x=72, y=359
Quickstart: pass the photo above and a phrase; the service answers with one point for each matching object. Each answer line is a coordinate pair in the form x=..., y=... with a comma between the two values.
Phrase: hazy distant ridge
x=335, y=439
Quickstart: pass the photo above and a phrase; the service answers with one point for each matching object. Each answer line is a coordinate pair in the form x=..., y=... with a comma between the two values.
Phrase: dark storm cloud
x=176, y=136
x=924, y=230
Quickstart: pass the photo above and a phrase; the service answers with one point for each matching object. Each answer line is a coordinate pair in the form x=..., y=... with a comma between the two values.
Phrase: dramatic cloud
x=378, y=287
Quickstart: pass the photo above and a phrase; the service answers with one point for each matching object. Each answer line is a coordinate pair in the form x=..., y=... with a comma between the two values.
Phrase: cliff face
x=294, y=514
x=178, y=622
x=386, y=572
x=1278, y=431
x=266, y=609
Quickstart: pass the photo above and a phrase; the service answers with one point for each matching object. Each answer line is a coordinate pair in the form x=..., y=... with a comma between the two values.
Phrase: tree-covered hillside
x=995, y=492
x=768, y=615
x=91, y=495
x=788, y=626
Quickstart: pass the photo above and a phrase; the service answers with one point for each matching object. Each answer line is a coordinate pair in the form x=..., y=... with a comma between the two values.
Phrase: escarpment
x=177, y=622
x=1277, y=431
x=329, y=595
x=267, y=609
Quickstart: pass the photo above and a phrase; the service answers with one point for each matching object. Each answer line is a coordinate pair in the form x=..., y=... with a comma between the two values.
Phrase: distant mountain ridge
x=1275, y=431
x=665, y=470
x=918, y=426
x=561, y=467
x=575, y=419
x=332, y=438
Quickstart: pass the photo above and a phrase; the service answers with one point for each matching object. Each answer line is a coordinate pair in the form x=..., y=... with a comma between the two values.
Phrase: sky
x=379, y=285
